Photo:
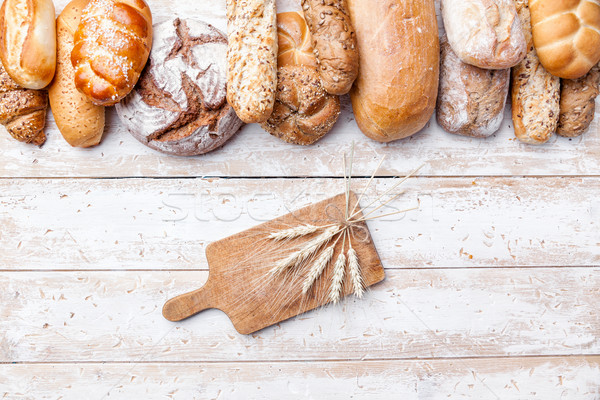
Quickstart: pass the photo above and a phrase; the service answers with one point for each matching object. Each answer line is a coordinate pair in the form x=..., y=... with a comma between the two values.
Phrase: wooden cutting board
x=239, y=282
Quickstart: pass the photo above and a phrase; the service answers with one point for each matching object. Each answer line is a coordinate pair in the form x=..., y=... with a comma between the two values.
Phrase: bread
x=334, y=43
x=80, y=121
x=252, y=58
x=578, y=103
x=294, y=41
x=22, y=111
x=395, y=92
x=566, y=34
x=471, y=100
x=179, y=105
x=111, y=47
x=484, y=33
x=535, y=92
x=28, y=41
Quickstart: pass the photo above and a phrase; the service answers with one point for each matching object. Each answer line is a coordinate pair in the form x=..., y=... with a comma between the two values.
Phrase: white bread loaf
x=566, y=35
x=484, y=33
x=399, y=60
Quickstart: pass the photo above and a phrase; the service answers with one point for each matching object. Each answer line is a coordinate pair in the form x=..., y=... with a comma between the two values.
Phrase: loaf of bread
x=179, y=104
x=566, y=34
x=80, y=121
x=578, y=103
x=252, y=58
x=395, y=92
x=471, y=100
x=22, y=111
x=535, y=92
x=294, y=41
x=28, y=41
x=334, y=43
x=484, y=33
x=111, y=47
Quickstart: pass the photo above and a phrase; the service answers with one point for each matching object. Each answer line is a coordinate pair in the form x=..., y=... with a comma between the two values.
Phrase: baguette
x=80, y=121
x=395, y=92
x=535, y=92
x=578, y=103
x=252, y=58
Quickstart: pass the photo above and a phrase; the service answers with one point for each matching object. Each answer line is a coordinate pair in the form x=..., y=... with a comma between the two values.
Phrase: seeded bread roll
x=535, y=92
x=252, y=58
x=471, y=100
x=334, y=42
x=578, y=103
x=178, y=106
x=80, y=121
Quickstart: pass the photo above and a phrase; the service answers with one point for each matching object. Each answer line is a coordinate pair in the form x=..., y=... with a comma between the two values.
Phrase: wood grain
x=167, y=223
x=240, y=282
x=546, y=378
x=116, y=316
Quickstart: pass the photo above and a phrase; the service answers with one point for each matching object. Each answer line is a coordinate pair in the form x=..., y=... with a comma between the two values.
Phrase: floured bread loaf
x=179, y=105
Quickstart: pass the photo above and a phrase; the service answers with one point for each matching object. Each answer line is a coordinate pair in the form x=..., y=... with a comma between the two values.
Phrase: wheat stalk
x=335, y=291
x=355, y=274
x=298, y=257
x=293, y=233
x=317, y=268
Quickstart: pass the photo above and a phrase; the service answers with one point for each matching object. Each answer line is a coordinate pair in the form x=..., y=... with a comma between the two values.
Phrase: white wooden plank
x=574, y=378
x=255, y=153
x=167, y=223
x=116, y=316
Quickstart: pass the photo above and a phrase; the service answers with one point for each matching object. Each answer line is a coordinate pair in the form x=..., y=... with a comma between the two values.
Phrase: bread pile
x=184, y=88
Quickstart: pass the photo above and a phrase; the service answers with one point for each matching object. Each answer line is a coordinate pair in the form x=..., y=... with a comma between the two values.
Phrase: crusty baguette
x=111, y=47
x=395, y=92
x=28, y=41
x=80, y=121
x=535, y=92
x=334, y=42
x=252, y=58
x=471, y=100
x=566, y=34
x=578, y=103
x=484, y=33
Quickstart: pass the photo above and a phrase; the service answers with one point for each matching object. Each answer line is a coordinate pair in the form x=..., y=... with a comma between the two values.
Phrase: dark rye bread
x=179, y=105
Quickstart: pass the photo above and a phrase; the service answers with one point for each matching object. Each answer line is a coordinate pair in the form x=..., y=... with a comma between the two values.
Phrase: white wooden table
x=492, y=287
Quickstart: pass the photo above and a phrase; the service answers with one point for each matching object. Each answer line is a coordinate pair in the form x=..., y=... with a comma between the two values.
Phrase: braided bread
x=112, y=44
x=22, y=111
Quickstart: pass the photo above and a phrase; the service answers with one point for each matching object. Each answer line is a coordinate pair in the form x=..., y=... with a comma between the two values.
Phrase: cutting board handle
x=188, y=304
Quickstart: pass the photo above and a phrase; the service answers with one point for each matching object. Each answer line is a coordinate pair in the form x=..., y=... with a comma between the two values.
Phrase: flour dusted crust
x=179, y=105
x=471, y=100
x=484, y=33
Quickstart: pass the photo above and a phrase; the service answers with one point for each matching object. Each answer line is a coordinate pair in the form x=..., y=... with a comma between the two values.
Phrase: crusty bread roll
x=334, y=43
x=111, y=47
x=294, y=41
x=395, y=92
x=578, y=103
x=80, y=121
x=535, y=92
x=252, y=58
x=28, y=41
x=22, y=111
x=471, y=100
x=566, y=35
x=484, y=33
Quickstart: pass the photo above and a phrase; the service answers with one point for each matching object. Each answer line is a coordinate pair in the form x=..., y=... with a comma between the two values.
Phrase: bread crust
x=395, y=92
x=578, y=103
x=334, y=43
x=28, y=41
x=252, y=58
x=566, y=34
x=80, y=121
x=471, y=100
x=484, y=33
x=111, y=47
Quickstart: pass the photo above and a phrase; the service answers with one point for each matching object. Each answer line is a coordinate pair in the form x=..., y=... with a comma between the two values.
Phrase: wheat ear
x=354, y=269
x=293, y=233
x=337, y=279
x=298, y=257
x=317, y=268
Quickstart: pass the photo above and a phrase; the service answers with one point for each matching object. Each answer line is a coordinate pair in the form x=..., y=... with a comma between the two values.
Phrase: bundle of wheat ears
x=317, y=253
